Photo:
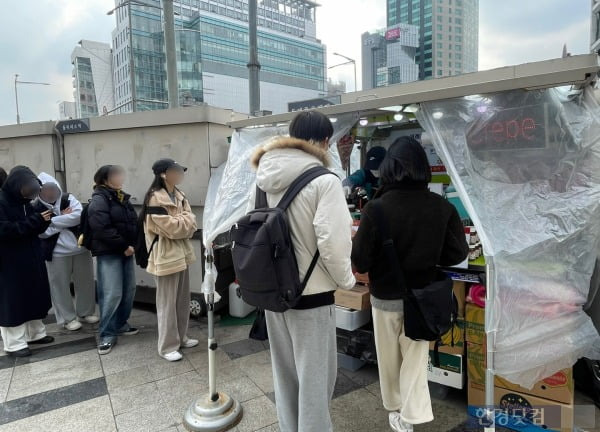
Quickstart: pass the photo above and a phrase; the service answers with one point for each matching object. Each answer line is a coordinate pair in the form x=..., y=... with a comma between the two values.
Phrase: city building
x=67, y=110
x=448, y=34
x=595, y=28
x=92, y=79
x=388, y=56
x=212, y=53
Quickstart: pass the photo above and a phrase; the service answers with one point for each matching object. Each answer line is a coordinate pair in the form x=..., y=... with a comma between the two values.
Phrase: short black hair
x=311, y=126
x=104, y=172
x=405, y=160
x=3, y=175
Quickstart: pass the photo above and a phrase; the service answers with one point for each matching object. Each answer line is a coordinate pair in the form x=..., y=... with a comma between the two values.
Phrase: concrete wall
x=30, y=144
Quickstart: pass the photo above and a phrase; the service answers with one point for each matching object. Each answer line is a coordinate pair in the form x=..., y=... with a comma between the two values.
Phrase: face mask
x=375, y=173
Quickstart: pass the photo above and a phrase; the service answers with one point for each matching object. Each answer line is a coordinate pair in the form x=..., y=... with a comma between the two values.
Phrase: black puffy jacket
x=113, y=223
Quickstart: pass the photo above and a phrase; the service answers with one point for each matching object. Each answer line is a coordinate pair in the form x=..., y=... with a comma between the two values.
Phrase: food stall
x=519, y=146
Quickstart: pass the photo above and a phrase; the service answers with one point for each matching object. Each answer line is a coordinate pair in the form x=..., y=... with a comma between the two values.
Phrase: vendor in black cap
x=368, y=176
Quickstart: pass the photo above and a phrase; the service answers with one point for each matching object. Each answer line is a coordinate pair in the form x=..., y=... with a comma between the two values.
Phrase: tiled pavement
x=67, y=386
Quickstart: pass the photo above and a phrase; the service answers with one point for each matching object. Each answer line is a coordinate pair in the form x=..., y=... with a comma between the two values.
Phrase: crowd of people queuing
x=40, y=257
x=48, y=241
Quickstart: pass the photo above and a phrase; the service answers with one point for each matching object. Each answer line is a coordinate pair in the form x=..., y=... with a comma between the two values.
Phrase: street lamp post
x=349, y=61
x=253, y=63
x=17, y=93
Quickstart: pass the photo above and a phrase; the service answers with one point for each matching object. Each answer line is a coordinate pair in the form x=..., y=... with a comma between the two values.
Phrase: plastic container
x=350, y=363
x=237, y=306
x=350, y=319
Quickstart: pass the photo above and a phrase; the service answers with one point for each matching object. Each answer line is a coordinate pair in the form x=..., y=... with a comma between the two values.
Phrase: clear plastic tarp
x=527, y=166
x=230, y=185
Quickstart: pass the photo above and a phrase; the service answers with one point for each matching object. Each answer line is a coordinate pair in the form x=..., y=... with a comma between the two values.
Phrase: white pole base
x=204, y=415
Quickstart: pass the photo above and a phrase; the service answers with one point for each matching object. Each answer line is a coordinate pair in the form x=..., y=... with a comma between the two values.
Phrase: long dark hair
x=157, y=184
x=3, y=175
x=104, y=172
x=405, y=161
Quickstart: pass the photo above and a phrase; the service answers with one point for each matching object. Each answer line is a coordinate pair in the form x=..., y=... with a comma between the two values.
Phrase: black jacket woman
x=24, y=288
x=112, y=221
x=427, y=232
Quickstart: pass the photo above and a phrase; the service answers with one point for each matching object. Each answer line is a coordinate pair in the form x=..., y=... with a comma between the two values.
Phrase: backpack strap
x=261, y=199
x=155, y=210
x=297, y=185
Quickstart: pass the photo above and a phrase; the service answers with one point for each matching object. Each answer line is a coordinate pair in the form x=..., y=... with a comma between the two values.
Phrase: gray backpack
x=263, y=255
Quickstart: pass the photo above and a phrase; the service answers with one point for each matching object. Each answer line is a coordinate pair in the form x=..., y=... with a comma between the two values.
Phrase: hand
x=129, y=251
x=67, y=211
x=47, y=215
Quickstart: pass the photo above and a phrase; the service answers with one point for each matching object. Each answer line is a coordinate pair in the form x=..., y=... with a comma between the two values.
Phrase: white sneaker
x=173, y=356
x=73, y=325
x=91, y=319
x=399, y=425
x=190, y=343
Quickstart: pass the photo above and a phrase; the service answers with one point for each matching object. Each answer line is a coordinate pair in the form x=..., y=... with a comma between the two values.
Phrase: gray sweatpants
x=79, y=269
x=304, y=358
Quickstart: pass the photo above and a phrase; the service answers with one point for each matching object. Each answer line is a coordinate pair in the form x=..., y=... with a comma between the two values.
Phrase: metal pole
x=131, y=64
x=490, y=344
x=253, y=63
x=171, y=53
x=17, y=99
x=355, y=82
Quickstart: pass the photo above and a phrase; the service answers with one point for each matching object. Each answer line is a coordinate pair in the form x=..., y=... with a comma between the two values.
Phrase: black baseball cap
x=162, y=165
x=374, y=158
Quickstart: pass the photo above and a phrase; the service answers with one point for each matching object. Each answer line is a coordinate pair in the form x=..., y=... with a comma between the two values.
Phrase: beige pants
x=16, y=338
x=402, y=368
x=172, y=310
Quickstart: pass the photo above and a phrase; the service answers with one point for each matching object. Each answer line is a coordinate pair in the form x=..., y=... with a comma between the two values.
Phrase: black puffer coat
x=24, y=288
x=113, y=222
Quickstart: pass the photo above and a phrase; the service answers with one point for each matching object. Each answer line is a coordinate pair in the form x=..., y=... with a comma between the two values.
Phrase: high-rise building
x=92, y=78
x=448, y=34
x=388, y=56
x=595, y=28
x=67, y=110
x=212, y=53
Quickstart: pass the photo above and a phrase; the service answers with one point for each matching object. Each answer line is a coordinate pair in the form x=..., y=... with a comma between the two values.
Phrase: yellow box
x=475, y=328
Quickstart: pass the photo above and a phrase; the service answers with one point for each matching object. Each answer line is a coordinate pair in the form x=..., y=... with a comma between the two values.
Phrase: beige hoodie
x=173, y=252
x=318, y=216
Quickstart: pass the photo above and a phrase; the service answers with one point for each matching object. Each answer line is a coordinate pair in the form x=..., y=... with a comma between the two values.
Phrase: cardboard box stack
x=548, y=405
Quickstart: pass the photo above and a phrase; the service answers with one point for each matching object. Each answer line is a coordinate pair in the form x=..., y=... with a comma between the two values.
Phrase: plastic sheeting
x=527, y=166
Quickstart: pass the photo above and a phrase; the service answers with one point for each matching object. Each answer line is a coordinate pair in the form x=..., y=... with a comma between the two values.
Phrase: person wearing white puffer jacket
x=303, y=339
x=66, y=261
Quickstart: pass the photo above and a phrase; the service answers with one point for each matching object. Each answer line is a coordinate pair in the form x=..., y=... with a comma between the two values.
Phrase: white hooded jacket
x=67, y=243
x=318, y=216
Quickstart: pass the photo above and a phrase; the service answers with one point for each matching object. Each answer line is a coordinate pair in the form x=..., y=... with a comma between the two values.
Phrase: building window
x=458, y=56
x=439, y=18
x=458, y=38
x=458, y=48
x=439, y=45
x=439, y=35
x=449, y=64
x=450, y=29
x=440, y=9
x=459, y=65
x=440, y=72
x=458, y=21
x=439, y=63
x=440, y=27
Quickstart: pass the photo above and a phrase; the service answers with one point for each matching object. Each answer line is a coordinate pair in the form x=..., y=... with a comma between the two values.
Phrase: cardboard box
x=460, y=291
x=358, y=298
x=450, y=372
x=459, y=341
x=475, y=319
x=522, y=412
x=558, y=387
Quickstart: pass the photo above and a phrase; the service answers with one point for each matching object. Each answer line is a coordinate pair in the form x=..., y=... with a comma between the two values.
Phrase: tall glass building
x=92, y=78
x=448, y=34
x=212, y=53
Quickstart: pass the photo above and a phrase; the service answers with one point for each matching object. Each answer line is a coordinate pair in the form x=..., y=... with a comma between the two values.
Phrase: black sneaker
x=25, y=352
x=105, y=348
x=132, y=331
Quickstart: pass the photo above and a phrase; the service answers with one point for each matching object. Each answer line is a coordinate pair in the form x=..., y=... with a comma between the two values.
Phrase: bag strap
x=261, y=199
x=311, y=268
x=387, y=242
x=297, y=185
x=155, y=210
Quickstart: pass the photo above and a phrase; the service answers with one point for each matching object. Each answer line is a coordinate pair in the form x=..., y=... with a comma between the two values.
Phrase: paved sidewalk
x=67, y=386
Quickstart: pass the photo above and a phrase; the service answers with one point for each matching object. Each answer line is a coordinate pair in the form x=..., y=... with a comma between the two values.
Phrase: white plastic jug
x=237, y=306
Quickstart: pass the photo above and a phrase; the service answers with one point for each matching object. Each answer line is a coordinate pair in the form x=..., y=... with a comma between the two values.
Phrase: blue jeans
x=116, y=290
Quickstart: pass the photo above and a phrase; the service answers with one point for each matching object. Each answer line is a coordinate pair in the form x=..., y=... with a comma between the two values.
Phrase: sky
x=37, y=37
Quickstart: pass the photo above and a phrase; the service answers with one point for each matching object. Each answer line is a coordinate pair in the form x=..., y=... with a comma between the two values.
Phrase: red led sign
x=510, y=129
